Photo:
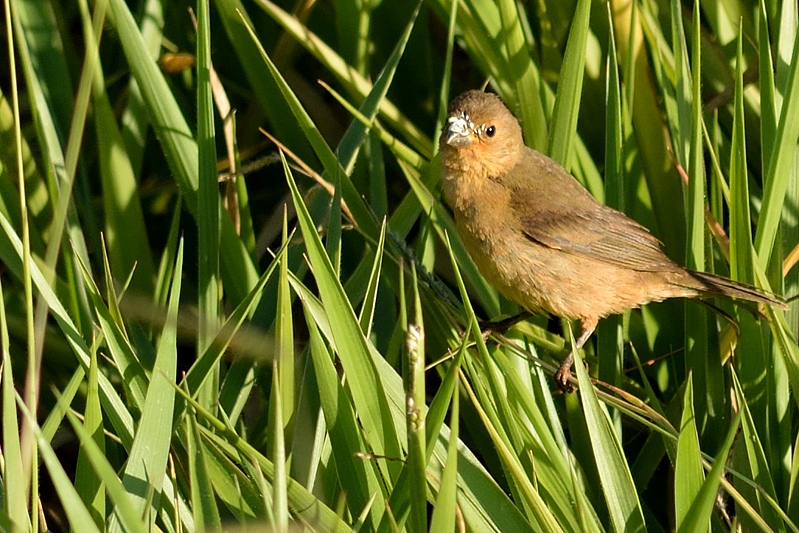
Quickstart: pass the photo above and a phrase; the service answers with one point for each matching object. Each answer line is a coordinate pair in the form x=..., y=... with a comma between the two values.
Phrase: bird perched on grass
x=542, y=240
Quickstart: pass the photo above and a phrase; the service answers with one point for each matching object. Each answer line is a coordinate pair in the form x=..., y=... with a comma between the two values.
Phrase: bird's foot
x=564, y=375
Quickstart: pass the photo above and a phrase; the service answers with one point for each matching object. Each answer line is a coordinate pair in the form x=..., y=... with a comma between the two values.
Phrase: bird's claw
x=563, y=377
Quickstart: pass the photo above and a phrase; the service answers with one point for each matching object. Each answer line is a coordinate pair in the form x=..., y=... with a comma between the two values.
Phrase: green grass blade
x=75, y=509
x=620, y=492
x=179, y=147
x=346, y=75
x=206, y=513
x=14, y=501
x=208, y=204
x=567, y=101
x=148, y=454
x=701, y=509
x=688, y=473
x=351, y=344
x=125, y=233
x=781, y=160
x=87, y=483
x=523, y=75
x=444, y=512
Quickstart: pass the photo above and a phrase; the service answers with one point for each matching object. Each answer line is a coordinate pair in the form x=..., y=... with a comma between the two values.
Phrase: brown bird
x=542, y=240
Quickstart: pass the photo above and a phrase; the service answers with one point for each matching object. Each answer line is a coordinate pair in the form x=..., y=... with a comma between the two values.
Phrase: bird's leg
x=564, y=374
x=501, y=326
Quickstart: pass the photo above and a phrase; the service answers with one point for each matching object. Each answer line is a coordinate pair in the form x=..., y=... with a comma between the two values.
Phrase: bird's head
x=481, y=135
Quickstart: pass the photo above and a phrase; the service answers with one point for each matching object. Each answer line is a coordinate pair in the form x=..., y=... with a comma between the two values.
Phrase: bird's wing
x=595, y=231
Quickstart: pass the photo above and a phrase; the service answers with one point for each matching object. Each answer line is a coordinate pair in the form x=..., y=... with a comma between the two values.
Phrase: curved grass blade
x=563, y=126
x=351, y=344
x=180, y=148
x=620, y=492
x=148, y=455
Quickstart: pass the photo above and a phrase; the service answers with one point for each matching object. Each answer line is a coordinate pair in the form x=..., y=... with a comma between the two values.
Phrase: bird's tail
x=721, y=286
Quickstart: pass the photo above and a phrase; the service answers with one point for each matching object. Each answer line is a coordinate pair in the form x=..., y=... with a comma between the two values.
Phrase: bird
x=542, y=240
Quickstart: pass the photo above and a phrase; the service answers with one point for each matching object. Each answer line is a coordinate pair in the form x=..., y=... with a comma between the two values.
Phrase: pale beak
x=458, y=132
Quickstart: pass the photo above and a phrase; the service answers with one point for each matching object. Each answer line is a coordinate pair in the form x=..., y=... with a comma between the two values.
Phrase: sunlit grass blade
x=180, y=148
x=125, y=233
x=357, y=473
x=75, y=509
x=304, y=505
x=688, y=473
x=701, y=509
x=148, y=455
x=208, y=204
x=444, y=512
x=351, y=344
x=620, y=492
x=202, y=367
x=662, y=179
x=356, y=133
x=134, y=122
x=370, y=300
x=119, y=347
x=567, y=101
x=610, y=347
x=523, y=75
x=87, y=483
x=780, y=163
x=511, y=463
x=346, y=75
x=15, y=504
x=206, y=514
x=758, y=463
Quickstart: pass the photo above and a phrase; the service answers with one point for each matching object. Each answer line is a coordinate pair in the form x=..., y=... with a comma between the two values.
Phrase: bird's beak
x=458, y=132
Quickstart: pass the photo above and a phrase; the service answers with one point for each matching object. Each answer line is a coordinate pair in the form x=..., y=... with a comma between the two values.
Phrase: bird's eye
x=490, y=131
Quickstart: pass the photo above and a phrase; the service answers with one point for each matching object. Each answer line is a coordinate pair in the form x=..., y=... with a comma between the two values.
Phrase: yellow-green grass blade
x=203, y=502
x=179, y=147
x=563, y=127
x=77, y=514
x=283, y=381
x=610, y=342
x=15, y=504
x=119, y=346
x=351, y=344
x=522, y=73
x=759, y=469
x=444, y=512
x=367, y=313
x=134, y=121
x=356, y=133
x=115, y=409
x=125, y=233
x=202, y=367
x=688, y=472
x=702, y=506
x=346, y=75
x=620, y=492
x=147, y=457
x=304, y=505
x=208, y=205
x=446, y=80
x=662, y=180
x=87, y=482
x=483, y=504
x=360, y=477
x=119, y=496
x=780, y=163
x=524, y=489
